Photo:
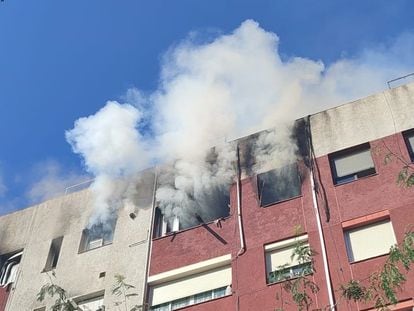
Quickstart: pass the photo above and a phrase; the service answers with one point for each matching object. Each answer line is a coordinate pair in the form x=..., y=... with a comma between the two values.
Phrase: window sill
x=171, y=234
x=92, y=249
x=281, y=201
x=355, y=180
x=368, y=259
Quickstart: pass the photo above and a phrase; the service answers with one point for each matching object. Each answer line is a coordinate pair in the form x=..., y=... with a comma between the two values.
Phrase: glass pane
x=411, y=141
x=289, y=272
x=162, y=307
x=179, y=303
x=219, y=292
x=203, y=297
x=353, y=162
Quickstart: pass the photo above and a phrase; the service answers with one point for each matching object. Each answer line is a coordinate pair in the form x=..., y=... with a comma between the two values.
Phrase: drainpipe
x=239, y=216
x=149, y=248
x=318, y=221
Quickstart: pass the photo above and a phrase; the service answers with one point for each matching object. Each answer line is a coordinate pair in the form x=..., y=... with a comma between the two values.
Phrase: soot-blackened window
x=279, y=184
x=97, y=235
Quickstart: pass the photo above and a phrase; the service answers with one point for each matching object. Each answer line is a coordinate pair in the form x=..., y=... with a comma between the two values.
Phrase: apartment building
x=340, y=192
x=346, y=200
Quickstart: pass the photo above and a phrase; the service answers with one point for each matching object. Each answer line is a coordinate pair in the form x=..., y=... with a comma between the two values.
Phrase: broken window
x=97, y=235
x=279, y=184
x=53, y=255
x=409, y=141
x=351, y=164
x=9, y=268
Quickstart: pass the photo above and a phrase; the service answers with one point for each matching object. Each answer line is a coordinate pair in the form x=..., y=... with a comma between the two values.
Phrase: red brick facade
x=345, y=204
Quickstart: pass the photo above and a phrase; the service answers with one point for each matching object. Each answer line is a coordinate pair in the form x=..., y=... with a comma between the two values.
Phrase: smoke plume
x=113, y=151
x=210, y=94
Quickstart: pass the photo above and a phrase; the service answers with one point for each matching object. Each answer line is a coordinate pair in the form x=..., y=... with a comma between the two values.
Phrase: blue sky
x=62, y=60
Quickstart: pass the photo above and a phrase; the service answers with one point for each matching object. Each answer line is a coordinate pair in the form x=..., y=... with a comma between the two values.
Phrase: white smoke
x=210, y=93
x=113, y=151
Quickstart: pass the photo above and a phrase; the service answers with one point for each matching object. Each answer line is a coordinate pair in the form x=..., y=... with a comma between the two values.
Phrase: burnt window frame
x=259, y=192
x=355, y=176
x=406, y=135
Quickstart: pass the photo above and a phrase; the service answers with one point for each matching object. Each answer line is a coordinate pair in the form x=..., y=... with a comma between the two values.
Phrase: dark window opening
x=351, y=164
x=97, y=235
x=9, y=264
x=54, y=252
x=161, y=225
x=279, y=185
x=165, y=225
x=409, y=141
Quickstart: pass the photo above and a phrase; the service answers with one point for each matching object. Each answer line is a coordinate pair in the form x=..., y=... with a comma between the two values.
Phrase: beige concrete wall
x=34, y=228
x=366, y=119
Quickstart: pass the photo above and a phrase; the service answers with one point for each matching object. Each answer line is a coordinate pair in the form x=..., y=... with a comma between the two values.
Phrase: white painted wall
x=34, y=228
x=366, y=119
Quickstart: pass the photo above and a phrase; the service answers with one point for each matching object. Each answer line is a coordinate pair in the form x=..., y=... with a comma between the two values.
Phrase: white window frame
x=271, y=252
x=218, y=268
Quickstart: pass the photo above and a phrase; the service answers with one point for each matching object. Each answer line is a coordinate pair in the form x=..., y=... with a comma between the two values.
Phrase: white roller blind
x=191, y=285
x=411, y=141
x=369, y=241
x=280, y=257
x=355, y=162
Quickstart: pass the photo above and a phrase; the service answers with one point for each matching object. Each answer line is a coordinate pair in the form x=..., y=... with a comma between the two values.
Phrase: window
x=162, y=227
x=190, y=300
x=279, y=185
x=54, y=251
x=409, y=141
x=351, y=164
x=97, y=235
x=192, y=284
x=369, y=241
x=9, y=267
x=280, y=265
x=92, y=302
